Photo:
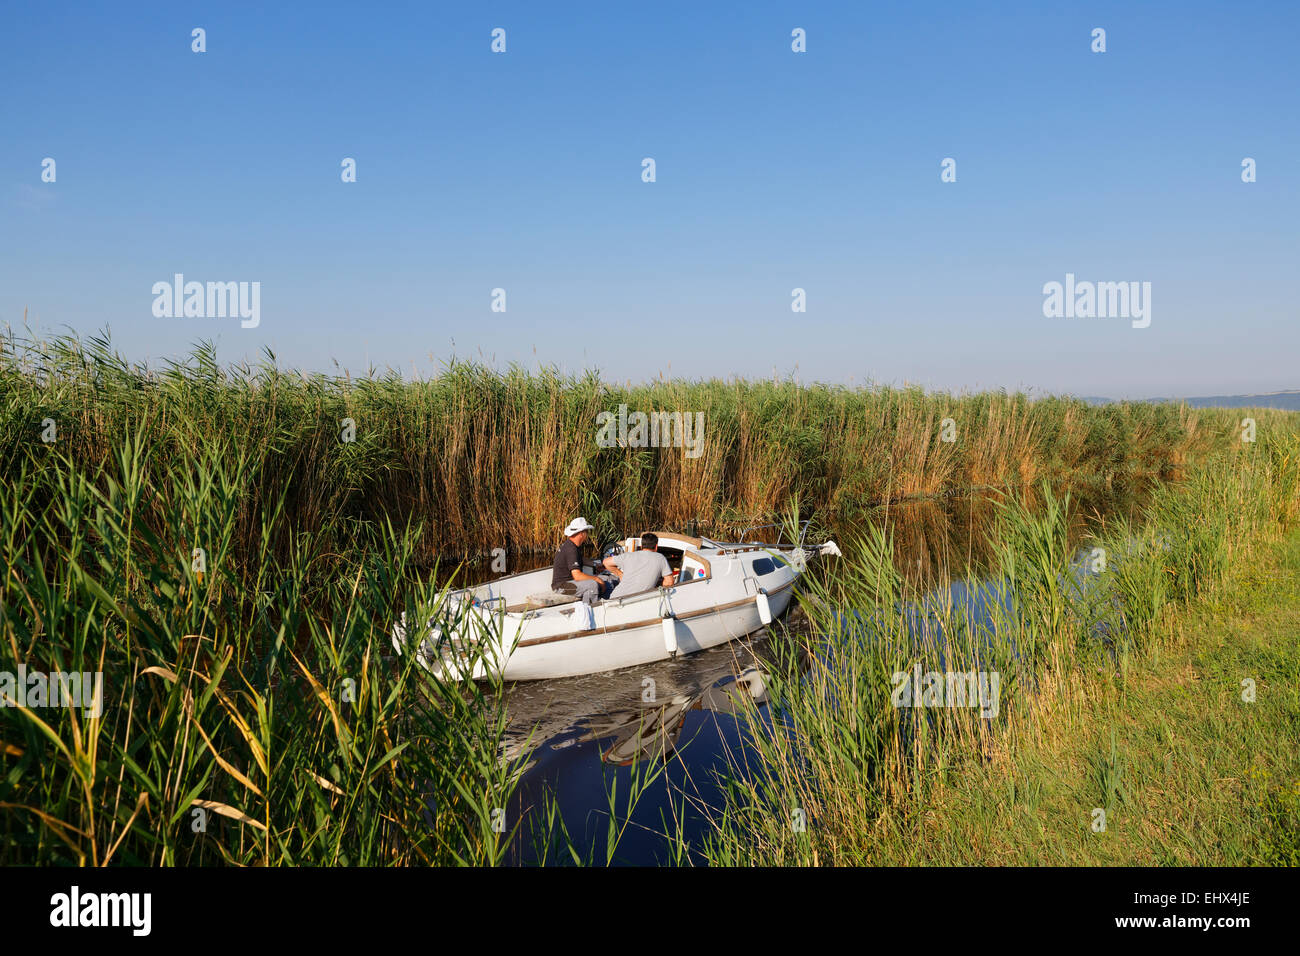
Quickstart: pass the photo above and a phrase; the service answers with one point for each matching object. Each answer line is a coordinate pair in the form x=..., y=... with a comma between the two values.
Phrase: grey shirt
x=642, y=571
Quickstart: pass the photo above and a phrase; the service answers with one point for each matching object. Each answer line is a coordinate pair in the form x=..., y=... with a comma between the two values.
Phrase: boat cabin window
x=674, y=557
x=769, y=564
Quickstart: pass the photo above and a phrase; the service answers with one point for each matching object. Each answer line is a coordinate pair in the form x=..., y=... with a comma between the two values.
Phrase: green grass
x=258, y=684
x=1147, y=725
x=1188, y=773
x=249, y=717
x=489, y=459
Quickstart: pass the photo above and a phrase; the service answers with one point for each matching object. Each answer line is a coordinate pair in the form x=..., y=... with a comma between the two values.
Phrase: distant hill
x=1289, y=399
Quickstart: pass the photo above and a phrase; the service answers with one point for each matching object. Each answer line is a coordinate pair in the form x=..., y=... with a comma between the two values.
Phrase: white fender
x=764, y=608
x=399, y=634
x=421, y=655
x=670, y=635
x=752, y=679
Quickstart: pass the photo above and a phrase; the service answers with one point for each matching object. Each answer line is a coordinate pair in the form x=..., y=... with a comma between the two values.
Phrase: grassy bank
x=1123, y=732
x=488, y=459
x=204, y=539
x=248, y=716
x=1194, y=774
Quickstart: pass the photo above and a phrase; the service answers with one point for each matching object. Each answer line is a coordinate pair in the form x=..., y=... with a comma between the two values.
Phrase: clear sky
x=774, y=170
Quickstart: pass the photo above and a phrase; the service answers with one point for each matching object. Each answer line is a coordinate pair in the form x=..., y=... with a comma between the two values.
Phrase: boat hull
x=612, y=650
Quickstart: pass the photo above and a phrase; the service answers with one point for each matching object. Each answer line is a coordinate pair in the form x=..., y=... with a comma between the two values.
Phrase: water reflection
x=590, y=736
x=677, y=722
x=654, y=731
x=940, y=540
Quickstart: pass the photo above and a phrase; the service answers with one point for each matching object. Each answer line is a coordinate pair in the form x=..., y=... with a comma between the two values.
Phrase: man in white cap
x=568, y=576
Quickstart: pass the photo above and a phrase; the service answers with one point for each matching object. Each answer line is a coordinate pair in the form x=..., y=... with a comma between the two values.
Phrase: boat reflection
x=634, y=715
x=655, y=730
x=584, y=740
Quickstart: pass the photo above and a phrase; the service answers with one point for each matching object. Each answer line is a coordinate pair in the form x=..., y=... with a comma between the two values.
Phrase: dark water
x=596, y=734
x=587, y=737
x=942, y=540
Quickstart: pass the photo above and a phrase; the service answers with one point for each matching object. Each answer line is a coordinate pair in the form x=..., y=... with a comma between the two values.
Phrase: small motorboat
x=517, y=628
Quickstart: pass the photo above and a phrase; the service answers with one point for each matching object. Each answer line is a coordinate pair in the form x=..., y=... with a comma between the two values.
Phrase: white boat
x=517, y=628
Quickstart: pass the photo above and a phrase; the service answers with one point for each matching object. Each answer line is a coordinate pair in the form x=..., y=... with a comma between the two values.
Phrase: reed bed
x=490, y=459
x=252, y=712
x=232, y=562
x=846, y=772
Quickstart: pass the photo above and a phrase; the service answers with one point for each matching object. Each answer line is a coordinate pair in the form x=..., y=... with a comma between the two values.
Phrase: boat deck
x=531, y=605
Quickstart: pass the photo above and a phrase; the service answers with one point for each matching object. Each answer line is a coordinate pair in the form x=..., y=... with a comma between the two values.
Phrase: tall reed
x=848, y=770
x=486, y=459
x=252, y=709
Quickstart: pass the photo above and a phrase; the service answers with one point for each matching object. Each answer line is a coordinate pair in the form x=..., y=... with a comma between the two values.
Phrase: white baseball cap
x=576, y=525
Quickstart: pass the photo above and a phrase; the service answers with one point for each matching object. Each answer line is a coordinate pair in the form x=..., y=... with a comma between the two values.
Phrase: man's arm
x=670, y=577
x=610, y=565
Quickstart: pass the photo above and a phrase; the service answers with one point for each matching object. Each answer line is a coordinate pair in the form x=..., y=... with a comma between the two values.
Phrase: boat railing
x=781, y=536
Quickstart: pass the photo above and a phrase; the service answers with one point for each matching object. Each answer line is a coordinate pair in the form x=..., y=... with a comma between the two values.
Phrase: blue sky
x=775, y=170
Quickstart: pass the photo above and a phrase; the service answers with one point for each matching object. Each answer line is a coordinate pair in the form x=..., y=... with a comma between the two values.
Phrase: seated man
x=640, y=571
x=567, y=576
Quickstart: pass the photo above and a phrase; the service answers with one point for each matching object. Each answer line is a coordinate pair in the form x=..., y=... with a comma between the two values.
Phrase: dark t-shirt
x=567, y=560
